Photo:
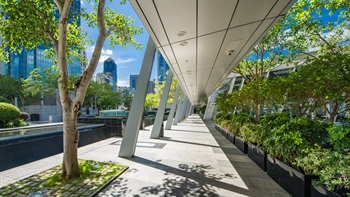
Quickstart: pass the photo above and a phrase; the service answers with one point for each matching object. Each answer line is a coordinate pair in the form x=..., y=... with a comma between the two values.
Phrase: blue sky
x=128, y=59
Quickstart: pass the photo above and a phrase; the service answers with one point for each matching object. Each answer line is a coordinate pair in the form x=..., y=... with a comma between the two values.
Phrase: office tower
x=110, y=69
x=133, y=81
x=162, y=68
x=151, y=86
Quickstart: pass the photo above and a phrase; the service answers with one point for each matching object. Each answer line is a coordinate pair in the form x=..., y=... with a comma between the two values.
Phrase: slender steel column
x=158, y=122
x=178, y=110
x=172, y=110
x=128, y=146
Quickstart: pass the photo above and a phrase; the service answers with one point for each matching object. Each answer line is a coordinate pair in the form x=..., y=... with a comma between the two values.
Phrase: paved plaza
x=192, y=159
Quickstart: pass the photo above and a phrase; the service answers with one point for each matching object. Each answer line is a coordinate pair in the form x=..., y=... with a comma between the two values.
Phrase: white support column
x=181, y=117
x=189, y=110
x=232, y=85
x=157, y=126
x=179, y=107
x=183, y=114
x=128, y=146
x=242, y=84
x=172, y=110
x=210, y=109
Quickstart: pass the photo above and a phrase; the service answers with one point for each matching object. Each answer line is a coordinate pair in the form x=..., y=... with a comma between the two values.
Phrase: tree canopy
x=54, y=24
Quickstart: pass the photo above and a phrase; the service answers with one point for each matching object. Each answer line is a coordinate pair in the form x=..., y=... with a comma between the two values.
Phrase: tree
x=152, y=101
x=265, y=55
x=10, y=88
x=101, y=96
x=159, y=90
x=323, y=26
x=53, y=24
x=45, y=83
x=126, y=98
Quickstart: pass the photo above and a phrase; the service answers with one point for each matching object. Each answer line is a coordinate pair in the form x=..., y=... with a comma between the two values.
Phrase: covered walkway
x=192, y=159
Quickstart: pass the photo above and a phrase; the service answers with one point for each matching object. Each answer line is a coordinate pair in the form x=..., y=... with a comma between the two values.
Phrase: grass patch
x=94, y=175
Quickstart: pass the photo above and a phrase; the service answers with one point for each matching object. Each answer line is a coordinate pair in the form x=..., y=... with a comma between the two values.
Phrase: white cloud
x=123, y=83
x=121, y=61
x=107, y=52
x=103, y=58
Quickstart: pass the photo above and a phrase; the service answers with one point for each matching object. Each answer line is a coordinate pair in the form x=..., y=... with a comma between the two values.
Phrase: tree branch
x=89, y=71
x=59, y=5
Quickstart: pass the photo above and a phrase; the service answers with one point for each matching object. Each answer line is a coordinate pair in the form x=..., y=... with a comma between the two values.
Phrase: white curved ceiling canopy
x=203, y=40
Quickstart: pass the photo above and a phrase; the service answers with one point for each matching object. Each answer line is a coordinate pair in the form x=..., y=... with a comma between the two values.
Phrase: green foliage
x=335, y=166
x=220, y=116
x=24, y=116
x=238, y=120
x=152, y=101
x=251, y=132
x=155, y=99
x=332, y=167
x=339, y=137
x=224, y=102
x=126, y=98
x=9, y=116
x=271, y=121
x=10, y=88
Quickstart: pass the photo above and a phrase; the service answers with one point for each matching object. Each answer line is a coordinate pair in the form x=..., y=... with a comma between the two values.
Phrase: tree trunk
x=258, y=112
x=70, y=166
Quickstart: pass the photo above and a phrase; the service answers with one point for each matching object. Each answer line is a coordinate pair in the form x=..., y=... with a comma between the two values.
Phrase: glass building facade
x=21, y=64
x=133, y=81
x=162, y=67
x=109, y=66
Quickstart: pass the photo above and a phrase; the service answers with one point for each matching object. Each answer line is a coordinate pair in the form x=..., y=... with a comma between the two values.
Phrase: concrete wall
x=44, y=111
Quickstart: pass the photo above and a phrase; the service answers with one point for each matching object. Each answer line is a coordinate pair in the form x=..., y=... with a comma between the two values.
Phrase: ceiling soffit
x=203, y=40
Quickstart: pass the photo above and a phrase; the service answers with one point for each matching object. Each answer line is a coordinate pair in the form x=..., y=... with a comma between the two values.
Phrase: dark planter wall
x=321, y=191
x=22, y=150
x=113, y=124
x=257, y=155
x=294, y=182
x=241, y=145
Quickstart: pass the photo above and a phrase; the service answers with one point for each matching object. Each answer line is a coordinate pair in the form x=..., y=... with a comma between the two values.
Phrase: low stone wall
x=113, y=124
x=21, y=150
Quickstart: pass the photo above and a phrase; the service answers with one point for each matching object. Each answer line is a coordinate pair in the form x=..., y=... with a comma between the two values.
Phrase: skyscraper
x=110, y=67
x=162, y=68
x=20, y=65
x=151, y=86
x=133, y=81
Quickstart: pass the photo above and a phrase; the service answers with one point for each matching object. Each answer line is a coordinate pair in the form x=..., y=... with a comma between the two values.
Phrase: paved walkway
x=193, y=159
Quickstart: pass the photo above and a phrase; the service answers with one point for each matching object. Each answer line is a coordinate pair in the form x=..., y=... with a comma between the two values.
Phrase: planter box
x=257, y=155
x=241, y=145
x=293, y=181
x=231, y=138
x=321, y=191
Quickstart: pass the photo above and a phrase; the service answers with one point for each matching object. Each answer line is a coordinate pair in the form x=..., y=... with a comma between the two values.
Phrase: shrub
x=339, y=137
x=8, y=115
x=24, y=116
x=238, y=120
x=251, y=132
x=333, y=168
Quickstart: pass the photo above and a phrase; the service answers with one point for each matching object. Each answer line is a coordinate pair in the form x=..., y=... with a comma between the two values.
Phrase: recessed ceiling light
x=181, y=33
x=183, y=43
